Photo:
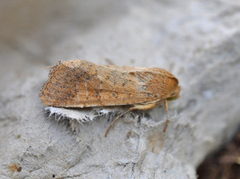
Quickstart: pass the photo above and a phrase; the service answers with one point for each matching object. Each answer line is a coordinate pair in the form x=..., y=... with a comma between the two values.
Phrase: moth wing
x=89, y=85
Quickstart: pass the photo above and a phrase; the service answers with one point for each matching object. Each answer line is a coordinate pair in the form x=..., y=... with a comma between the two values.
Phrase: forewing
x=84, y=84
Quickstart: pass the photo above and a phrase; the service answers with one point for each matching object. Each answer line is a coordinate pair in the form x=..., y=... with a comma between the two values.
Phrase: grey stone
x=198, y=41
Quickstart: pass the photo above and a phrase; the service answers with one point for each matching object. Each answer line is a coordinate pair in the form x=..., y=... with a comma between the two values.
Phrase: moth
x=81, y=84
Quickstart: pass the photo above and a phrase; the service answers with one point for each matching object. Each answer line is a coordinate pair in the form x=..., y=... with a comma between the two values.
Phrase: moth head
x=175, y=93
x=172, y=88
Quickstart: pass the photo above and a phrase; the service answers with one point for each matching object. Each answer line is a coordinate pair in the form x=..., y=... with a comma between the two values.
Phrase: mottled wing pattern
x=79, y=83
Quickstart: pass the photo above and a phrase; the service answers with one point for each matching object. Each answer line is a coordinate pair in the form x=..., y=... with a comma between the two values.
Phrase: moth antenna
x=116, y=120
x=110, y=61
x=47, y=66
x=166, y=106
x=171, y=66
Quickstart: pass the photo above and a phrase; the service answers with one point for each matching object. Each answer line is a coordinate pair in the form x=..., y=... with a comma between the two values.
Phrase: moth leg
x=166, y=106
x=116, y=120
x=152, y=105
x=145, y=106
x=135, y=107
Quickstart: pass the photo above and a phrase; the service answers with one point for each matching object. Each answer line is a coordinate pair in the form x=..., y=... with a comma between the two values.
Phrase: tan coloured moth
x=80, y=84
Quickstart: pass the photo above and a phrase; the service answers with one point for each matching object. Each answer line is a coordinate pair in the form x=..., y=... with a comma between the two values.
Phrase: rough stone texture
x=197, y=40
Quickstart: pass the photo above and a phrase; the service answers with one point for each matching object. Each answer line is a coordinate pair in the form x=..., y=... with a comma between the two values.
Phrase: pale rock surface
x=197, y=40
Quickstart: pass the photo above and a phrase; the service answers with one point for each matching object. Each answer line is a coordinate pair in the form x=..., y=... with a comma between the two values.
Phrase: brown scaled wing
x=79, y=83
